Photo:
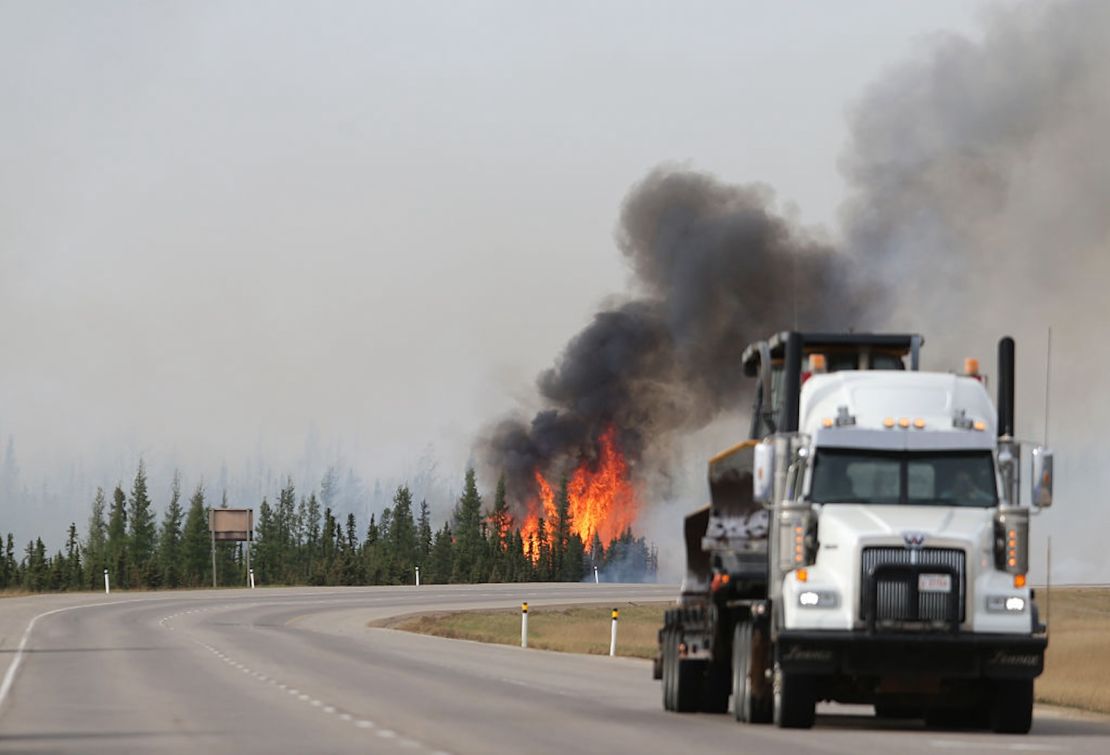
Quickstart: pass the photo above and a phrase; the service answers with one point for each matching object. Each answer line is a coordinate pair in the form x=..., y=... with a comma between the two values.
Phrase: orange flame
x=601, y=498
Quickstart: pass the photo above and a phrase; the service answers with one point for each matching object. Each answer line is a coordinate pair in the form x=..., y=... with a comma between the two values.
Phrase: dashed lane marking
x=408, y=743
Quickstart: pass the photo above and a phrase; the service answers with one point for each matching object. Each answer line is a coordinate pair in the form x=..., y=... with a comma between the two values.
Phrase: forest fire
x=602, y=500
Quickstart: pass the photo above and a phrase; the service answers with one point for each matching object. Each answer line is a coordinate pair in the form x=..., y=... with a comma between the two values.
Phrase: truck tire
x=748, y=705
x=1011, y=709
x=669, y=648
x=795, y=700
x=715, y=687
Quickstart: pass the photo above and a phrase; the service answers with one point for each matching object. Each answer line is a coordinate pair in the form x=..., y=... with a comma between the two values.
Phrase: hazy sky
x=223, y=224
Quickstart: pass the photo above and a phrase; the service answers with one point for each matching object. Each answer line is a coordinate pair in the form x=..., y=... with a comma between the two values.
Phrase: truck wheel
x=668, y=669
x=795, y=700
x=741, y=684
x=715, y=687
x=1012, y=706
x=750, y=701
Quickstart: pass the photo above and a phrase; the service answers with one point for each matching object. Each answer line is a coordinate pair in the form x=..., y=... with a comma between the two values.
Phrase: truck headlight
x=1005, y=603
x=818, y=599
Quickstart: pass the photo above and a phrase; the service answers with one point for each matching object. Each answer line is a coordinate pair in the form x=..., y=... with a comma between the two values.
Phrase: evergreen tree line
x=297, y=543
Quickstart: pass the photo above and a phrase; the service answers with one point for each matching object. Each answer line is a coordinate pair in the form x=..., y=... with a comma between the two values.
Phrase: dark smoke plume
x=715, y=267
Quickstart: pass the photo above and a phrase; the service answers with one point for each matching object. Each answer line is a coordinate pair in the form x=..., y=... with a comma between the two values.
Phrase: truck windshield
x=948, y=478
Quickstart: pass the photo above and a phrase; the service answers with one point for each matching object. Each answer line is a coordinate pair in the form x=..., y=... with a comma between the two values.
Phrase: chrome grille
x=893, y=593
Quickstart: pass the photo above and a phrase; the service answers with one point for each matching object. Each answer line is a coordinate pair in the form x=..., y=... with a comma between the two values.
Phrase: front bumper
x=949, y=655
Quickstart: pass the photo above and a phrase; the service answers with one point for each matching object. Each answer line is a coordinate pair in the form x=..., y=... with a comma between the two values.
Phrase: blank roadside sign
x=231, y=524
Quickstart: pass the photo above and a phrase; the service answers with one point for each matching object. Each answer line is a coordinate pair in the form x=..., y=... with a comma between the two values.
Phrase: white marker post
x=596, y=580
x=418, y=576
x=107, y=589
x=613, y=635
x=524, y=625
x=250, y=573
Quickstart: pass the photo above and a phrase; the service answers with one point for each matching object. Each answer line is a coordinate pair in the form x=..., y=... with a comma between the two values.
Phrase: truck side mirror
x=763, y=473
x=1042, y=477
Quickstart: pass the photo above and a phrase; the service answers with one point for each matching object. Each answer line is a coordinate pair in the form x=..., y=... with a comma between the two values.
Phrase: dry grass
x=15, y=592
x=1077, y=667
x=570, y=629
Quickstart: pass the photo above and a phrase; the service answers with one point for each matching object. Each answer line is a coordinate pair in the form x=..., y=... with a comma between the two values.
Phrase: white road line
x=389, y=734
x=17, y=661
x=966, y=744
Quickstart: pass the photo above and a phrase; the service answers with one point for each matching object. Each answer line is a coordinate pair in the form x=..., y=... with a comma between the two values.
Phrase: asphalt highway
x=299, y=671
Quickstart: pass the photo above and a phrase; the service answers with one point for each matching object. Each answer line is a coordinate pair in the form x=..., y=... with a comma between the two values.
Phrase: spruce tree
x=196, y=542
x=285, y=522
x=468, y=532
x=424, y=534
x=402, y=538
x=143, y=533
x=542, y=552
x=311, y=524
x=372, y=553
x=561, y=536
x=11, y=566
x=574, y=560
x=352, y=563
x=73, y=577
x=442, y=557
x=117, y=537
x=265, y=553
x=169, y=539
x=96, y=542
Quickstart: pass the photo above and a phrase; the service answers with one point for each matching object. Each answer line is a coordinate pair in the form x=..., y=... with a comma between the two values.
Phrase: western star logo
x=914, y=540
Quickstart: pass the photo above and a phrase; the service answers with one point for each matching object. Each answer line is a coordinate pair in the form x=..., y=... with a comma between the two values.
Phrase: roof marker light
x=980, y=425
x=904, y=422
x=888, y=422
x=843, y=418
x=919, y=423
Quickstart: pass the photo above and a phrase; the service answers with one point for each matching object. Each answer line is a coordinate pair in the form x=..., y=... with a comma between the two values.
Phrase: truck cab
x=895, y=552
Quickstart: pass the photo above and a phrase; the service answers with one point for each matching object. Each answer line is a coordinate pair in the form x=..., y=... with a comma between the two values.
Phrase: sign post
x=231, y=525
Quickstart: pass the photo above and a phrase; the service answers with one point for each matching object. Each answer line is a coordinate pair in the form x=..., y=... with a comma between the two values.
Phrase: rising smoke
x=979, y=183
x=715, y=267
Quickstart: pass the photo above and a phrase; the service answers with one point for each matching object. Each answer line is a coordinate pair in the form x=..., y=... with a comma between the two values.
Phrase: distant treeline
x=297, y=543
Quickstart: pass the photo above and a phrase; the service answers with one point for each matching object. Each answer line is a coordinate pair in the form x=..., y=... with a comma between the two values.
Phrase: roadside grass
x=569, y=629
x=16, y=592
x=1077, y=667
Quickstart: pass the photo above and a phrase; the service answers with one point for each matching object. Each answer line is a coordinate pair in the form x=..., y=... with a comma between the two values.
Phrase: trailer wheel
x=1012, y=707
x=795, y=700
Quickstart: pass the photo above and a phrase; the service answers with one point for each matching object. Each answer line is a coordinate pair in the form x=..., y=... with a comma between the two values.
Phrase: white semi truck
x=868, y=544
